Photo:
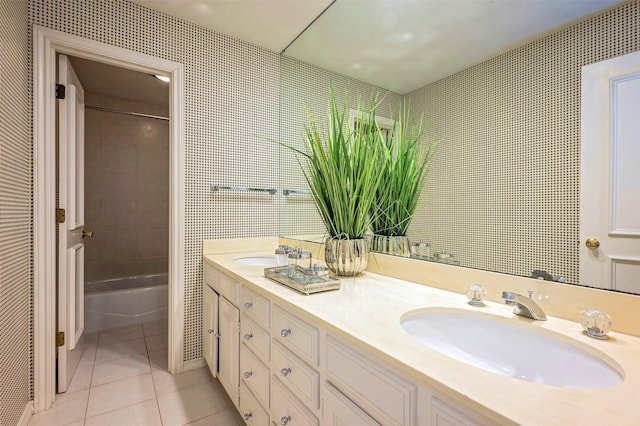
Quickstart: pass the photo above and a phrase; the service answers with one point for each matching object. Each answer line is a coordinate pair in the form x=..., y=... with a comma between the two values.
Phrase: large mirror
x=503, y=192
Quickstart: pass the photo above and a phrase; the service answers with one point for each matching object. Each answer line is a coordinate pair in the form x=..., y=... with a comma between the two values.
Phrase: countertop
x=366, y=311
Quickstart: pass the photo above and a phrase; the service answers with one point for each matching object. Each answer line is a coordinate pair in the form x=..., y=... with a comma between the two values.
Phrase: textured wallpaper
x=15, y=213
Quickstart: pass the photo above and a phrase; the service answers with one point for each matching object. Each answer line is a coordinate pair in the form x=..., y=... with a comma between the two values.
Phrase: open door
x=610, y=176
x=70, y=218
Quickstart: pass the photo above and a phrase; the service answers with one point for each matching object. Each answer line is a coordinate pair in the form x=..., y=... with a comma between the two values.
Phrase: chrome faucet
x=523, y=306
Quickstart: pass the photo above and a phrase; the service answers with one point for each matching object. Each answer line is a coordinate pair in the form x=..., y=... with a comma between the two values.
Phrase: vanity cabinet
x=281, y=367
x=384, y=395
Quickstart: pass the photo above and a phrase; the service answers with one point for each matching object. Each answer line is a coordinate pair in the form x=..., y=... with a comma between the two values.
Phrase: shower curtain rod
x=136, y=114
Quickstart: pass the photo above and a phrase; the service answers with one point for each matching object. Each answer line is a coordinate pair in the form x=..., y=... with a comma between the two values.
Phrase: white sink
x=494, y=344
x=264, y=261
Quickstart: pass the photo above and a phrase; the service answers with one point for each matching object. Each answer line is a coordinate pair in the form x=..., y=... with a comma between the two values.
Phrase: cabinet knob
x=247, y=374
x=285, y=332
x=217, y=335
x=246, y=416
x=248, y=336
x=285, y=420
x=210, y=331
x=248, y=305
x=285, y=371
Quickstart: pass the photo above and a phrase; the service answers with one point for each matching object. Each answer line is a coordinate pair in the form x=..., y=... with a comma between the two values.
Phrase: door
x=229, y=349
x=71, y=224
x=210, y=328
x=610, y=176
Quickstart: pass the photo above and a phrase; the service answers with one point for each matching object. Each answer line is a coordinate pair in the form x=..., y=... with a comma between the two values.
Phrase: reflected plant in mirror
x=404, y=166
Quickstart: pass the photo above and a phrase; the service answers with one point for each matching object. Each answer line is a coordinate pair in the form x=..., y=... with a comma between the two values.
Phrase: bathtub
x=125, y=301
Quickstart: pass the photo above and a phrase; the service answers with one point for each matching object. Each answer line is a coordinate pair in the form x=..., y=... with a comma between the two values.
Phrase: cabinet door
x=341, y=411
x=210, y=329
x=229, y=349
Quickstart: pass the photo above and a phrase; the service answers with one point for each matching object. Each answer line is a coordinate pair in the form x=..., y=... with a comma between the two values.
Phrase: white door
x=71, y=229
x=229, y=349
x=610, y=175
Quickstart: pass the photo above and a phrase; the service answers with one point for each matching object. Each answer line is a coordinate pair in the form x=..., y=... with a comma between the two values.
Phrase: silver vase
x=346, y=258
x=394, y=245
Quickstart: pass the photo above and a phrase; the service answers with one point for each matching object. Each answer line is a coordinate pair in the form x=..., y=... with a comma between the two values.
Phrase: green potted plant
x=341, y=169
x=403, y=171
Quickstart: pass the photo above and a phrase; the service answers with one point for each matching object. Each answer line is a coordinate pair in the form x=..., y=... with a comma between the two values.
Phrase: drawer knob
x=285, y=371
x=247, y=374
x=248, y=305
x=285, y=420
x=285, y=332
x=247, y=416
x=248, y=336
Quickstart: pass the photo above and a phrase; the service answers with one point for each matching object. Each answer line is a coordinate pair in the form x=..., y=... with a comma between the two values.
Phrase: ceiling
x=121, y=83
x=399, y=45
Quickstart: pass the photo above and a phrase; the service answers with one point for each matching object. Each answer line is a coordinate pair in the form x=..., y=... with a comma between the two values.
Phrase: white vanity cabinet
x=384, y=395
x=280, y=366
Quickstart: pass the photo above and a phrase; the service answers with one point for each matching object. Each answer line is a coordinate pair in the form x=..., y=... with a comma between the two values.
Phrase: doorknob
x=88, y=234
x=592, y=243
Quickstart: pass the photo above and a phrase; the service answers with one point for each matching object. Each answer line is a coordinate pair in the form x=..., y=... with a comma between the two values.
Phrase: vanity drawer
x=250, y=409
x=301, y=379
x=255, y=306
x=286, y=409
x=255, y=337
x=295, y=334
x=388, y=398
x=229, y=289
x=255, y=374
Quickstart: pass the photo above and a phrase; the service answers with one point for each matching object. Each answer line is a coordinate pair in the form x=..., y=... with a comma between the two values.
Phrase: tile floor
x=123, y=380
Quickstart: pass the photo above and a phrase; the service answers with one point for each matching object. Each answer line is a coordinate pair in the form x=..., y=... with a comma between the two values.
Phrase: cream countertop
x=367, y=310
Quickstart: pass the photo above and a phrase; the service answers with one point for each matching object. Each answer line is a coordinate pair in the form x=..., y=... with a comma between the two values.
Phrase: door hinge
x=60, y=91
x=60, y=338
x=61, y=215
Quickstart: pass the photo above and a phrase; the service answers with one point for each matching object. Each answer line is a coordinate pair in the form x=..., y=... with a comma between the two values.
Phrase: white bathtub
x=125, y=301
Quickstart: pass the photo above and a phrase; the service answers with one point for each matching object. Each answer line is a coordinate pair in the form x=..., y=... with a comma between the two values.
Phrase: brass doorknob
x=87, y=234
x=592, y=243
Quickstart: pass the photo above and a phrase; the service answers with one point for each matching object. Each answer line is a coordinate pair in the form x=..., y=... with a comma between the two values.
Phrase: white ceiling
x=402, y=45
x=268, y=23
x=398, y=45
x=118, y=82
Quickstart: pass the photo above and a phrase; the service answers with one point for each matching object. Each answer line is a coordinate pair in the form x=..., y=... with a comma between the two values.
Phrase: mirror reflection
x=503, y=191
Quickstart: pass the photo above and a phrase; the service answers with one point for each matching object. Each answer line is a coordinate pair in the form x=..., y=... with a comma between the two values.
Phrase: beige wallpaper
x=126, y=189
x=15, y=213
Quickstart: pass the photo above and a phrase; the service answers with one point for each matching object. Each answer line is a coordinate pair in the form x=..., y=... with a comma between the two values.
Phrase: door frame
x=46, y=44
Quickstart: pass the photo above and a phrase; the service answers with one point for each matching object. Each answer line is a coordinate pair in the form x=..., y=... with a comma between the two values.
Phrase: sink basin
x=496, y=345
x=264, y=261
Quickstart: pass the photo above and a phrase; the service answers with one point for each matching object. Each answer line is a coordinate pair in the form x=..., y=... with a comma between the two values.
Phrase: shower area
x=126, y=196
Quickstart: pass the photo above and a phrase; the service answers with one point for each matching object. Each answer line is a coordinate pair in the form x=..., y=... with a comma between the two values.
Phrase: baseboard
x=194, y=364
x=26, y=414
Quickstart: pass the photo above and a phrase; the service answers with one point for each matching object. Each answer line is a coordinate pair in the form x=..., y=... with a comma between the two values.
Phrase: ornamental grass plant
x=403, y=170
x=342, y=169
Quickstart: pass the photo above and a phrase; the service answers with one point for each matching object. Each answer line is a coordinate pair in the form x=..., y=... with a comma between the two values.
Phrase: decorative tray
x=305, y=281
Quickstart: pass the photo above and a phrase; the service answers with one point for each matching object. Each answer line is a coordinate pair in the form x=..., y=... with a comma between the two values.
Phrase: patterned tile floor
x=123, y=380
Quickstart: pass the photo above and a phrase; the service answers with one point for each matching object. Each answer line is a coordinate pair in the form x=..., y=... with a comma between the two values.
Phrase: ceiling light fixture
x=162, y=78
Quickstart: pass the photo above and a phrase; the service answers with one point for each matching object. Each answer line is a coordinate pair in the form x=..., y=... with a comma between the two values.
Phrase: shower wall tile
x=127, y=190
